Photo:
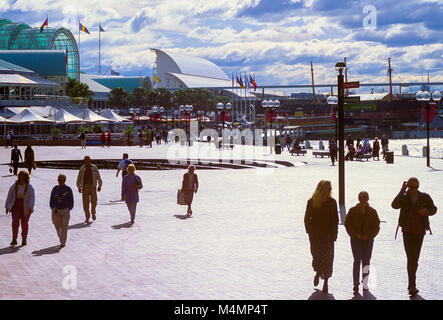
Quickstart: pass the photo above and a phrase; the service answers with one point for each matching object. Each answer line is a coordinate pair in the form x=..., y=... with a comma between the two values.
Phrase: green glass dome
x=20, y=36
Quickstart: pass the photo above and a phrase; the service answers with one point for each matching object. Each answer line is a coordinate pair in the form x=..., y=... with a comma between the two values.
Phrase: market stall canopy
x=28, y=116
x=63, y=116
x=112, y=116
x=88, y=115
x=3, y=120
x=46, y=112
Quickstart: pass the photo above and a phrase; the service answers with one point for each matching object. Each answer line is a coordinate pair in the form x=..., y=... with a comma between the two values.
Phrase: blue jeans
x=362, y=252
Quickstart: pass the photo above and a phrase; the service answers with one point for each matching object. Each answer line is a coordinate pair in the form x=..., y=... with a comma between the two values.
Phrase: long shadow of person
x=367, y=295
x=8, y=250
x=182, y=217
x=123, y=225
x=50, y=250
x=80, y=225
x=319, y=295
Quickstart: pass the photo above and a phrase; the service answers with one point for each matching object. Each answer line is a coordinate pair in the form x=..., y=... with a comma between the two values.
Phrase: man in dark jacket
x=16, y=156
x=415, y=209
x=61, y=203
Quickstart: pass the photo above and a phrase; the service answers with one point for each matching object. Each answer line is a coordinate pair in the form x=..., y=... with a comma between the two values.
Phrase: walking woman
x=190, y=186
x=131, y=184
x=321, y=223
x=20, y=202
x=29, y=158
x=362, y=224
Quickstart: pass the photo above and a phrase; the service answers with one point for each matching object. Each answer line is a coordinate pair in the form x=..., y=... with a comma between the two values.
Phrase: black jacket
x=403, y=202
x=16, y=155
x=322, y=222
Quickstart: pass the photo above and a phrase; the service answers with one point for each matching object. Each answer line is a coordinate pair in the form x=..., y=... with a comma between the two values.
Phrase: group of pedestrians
x=362, y=225
x=21, y=196
x=105, y=138
x=16, y=157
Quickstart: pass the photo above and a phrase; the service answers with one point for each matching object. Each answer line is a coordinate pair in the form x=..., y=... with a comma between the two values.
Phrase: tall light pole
x=333, y=101
x=271, y=108
x=188, y=111
x=223, y=109
x=340, y=67
x=425, y=97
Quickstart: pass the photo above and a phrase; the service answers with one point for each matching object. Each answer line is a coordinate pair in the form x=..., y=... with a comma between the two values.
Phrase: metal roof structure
x=43, y=62
x=28, y=80
x=20, y=36
x=8, y=67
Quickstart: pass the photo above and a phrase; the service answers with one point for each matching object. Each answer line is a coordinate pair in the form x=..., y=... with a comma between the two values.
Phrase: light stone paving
x=246, y=239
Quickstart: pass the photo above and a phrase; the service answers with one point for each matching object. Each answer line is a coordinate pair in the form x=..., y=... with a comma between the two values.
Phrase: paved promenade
x=246, y=239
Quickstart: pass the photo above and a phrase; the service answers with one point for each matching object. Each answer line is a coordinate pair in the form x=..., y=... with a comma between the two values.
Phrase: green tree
x=139, y=97
x=77, y=89
x=119, y=98
x=164, y=98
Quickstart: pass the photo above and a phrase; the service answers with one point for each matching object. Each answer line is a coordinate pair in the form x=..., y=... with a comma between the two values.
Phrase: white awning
x=63, y=116
x=88, y=115
x=28, y=116
x=112, y=116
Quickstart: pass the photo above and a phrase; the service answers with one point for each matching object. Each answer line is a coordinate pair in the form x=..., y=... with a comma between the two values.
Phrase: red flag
x=45, y=24
x=431, y=112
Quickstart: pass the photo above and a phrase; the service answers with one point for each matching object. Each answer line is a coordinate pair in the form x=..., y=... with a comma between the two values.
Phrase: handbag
x=181, y=197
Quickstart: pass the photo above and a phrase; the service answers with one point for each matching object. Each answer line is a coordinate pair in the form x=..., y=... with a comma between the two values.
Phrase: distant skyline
x=274, y=39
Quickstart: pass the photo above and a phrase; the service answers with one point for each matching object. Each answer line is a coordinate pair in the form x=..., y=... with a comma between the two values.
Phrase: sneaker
x=13, y=243
x=413, y=291
x=132, y=221
x=24, y=242
x=62, y=245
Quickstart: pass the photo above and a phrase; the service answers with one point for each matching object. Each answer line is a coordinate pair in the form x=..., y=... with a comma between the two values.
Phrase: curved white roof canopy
x=181, y=63
x=63, y=116
x=28, y=116
x=88, y=115
x=112, y=116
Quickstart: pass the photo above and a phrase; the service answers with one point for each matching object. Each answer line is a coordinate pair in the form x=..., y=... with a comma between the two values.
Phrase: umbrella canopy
x=89, y=116
x=63, y=116
x=28, y=116
x=3, y=120
x=112, y=116
x=45, y=112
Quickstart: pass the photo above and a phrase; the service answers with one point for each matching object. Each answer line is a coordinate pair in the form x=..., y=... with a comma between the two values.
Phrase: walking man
x=122, y=166
x=415, y=209
x=16, y=156
x=61, y=203
x=87, y=180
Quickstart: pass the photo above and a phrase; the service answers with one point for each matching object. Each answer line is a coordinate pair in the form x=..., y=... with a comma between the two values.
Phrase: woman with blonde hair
x=131, y=184
x=321, y=223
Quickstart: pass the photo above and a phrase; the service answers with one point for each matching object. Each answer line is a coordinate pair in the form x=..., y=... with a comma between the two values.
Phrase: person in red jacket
x=103, y=139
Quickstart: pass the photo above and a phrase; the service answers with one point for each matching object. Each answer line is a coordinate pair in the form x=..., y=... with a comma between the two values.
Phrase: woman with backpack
x=20, y=203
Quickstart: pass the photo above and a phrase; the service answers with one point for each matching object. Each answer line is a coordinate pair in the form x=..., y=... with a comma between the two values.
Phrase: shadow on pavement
x=367, y=295
x=182, y=217
x=319, y=295
x=416, y=297
x=80, y=225
x=8, y=250
x=123, y=225
x=50, y=250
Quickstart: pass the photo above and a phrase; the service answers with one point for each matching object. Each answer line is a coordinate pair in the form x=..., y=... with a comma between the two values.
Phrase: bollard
x=404, y=150
x=425, y=152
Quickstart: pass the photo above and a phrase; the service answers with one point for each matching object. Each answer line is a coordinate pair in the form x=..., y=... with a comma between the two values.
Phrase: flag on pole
x=82, y=28
x=247, y=81
x=156, y=78
x=254, y=83
x=240, y=82
x=66, y=56
x=45, y=24
x=100, y=28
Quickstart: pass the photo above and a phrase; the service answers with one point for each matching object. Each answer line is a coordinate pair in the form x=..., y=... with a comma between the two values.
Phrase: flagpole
x=79, y=41
x=99, y=57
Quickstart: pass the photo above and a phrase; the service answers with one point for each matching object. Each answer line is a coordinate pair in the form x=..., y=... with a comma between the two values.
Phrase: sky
x=274, y=39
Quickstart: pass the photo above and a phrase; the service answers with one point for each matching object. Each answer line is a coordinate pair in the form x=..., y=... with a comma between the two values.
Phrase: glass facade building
x=20, y=36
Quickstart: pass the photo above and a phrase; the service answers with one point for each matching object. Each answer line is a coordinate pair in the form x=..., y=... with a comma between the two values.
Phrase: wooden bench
x=321, y=153
x=363, y=156
x=298, y=152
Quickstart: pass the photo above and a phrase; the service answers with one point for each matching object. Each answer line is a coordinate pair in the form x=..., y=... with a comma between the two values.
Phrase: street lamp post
x=223, y=109
x=333, y=101
x=271, y=107
x=340, y=66
x=425, y=97
x=188, y=110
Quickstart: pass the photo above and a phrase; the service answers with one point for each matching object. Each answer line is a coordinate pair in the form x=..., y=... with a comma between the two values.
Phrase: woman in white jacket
x=20, y=203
